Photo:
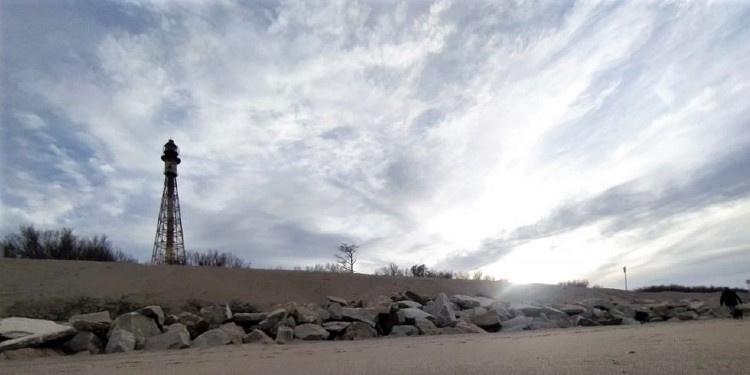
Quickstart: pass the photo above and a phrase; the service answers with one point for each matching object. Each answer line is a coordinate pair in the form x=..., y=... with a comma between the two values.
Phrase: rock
x=310, y=332
x=286, y=322
x=216, y=315
x=399, y=318
x=416, y=297
x=358, y=331
x=273, y=318
x=425, y=326
x=414, y=313
x=121, y=341
x=194, y=324
x=573, y=309
x=610, y=322
x=489, y=321
x=177, y=337
x=98, y=323
x=404, y=331
x=84, y=341
x=212, y=338
x=687, y=315
x=340, y=301
x=257, y=336
x=154, y=312
x=334, y=311
x=519, y=323
x=139, y=325
x=524, y=309
x=284, y=335
x=465, y=326
x=25, y=332
x=29, y=353
x=629, y=321
x=541, y=322
x=234, y=332
x=359, y=314
x=381, y=305
x=442, y=311
x=336, y=327
x=171, y=319
x=177, y=327
x=249, y=318
x=408, y=304
x=311, y=313
x=468, y=302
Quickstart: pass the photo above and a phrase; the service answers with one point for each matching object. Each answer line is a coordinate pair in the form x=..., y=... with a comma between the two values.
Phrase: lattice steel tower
x=169, y=246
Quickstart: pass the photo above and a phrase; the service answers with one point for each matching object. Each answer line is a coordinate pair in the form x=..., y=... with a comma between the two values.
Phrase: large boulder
x=84, y=341
x=310, y=332
x=489, y=321
x=464, y=325
x=216, y=315
x=176, y=337
x=234, y=332
x=98, y=323
x=404, y=331
x=542, y=322
x=336, y=328
x=519, y=323
x=334, y=311
x=310, y=313
x=468, y=302
x=380, y=304
x=154, y=312
x=405, y=304
x=139, y=325
x=120, y=341
x=442, y=310
x=257, y=336
x=368, y=316
x=416, y=297
x=249, y=318
x=273, y=318
x=524, y=309
x=425, y=327
x=212, y=338
x=413, y=313
x=25, y=332
x=284, y=335
x=194, y=324
x=573, y=309
x=359, y=331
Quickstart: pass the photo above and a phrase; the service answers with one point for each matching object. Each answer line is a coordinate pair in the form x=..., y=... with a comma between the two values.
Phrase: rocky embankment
x=404, y=314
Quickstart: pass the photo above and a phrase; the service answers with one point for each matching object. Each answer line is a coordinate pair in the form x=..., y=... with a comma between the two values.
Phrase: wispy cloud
x=506, y=136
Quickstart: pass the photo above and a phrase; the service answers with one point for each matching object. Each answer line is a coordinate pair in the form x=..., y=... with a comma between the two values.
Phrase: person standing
x=731, y=300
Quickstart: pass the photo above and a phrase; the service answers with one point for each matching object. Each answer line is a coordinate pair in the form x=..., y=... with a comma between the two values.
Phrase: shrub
x=686, y=289
x=213, y=258
x=30, y=243
x=579, y=283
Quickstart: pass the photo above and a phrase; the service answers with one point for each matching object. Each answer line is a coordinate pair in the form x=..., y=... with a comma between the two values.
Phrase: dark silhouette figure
x=731, y=300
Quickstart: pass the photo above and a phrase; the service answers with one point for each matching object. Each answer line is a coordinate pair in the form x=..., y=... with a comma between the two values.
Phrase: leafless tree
x=347, y=257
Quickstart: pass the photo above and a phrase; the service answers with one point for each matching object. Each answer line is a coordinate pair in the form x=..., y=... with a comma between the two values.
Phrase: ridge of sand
x=172, y=286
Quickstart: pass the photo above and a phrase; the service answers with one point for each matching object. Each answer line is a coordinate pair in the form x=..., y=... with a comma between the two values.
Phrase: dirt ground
x=719, y=346
x=24, y=280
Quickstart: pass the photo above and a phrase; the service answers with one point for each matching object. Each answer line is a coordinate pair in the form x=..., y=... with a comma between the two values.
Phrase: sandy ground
x=171, y=286
x=720, y=346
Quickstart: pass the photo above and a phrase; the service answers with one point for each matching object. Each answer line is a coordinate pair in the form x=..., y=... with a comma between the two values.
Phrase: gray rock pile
x=402, y=315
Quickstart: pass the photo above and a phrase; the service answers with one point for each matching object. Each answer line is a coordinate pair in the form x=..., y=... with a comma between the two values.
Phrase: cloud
x=430, y=132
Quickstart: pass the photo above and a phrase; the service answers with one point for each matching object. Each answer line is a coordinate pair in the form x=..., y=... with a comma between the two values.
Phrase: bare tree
x=347, y=257
x=476, y=274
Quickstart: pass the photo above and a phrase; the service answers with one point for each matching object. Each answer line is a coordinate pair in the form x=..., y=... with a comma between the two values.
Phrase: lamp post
x=625, y=271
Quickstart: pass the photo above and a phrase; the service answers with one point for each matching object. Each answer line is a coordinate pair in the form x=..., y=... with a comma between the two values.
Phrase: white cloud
x=420, y=129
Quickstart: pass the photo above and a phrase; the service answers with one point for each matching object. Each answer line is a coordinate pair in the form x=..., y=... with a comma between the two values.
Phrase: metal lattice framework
x=169, y=245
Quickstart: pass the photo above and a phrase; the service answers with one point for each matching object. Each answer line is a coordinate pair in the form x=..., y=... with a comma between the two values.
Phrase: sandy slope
x=720, y=346
x=171, y=286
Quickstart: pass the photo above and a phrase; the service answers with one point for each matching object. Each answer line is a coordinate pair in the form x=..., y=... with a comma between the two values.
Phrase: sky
x=535, y=141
